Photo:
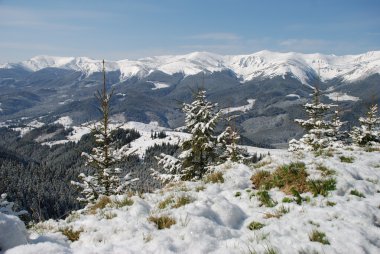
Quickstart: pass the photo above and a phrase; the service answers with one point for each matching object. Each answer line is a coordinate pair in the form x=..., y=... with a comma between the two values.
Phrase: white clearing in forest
x=244, y=108
x=140, y=145
x=336, y=96
x=30, y=126
x=66, y=121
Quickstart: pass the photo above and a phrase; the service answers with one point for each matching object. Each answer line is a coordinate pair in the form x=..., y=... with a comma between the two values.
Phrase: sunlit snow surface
x=217, y=219
x=261, y=64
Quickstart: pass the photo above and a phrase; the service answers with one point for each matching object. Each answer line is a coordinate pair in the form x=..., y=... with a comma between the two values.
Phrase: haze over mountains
x=266, y=88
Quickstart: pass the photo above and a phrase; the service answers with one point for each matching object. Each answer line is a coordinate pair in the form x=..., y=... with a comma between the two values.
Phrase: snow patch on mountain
x=159, y=85
x=243, y=108
x=292, y=95
x=336, y=96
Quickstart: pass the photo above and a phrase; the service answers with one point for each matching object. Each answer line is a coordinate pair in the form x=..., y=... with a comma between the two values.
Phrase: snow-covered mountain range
x=263, y=64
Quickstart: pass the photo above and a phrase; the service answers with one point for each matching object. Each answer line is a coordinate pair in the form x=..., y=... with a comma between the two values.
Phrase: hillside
x=228, y=214
x=266, y=89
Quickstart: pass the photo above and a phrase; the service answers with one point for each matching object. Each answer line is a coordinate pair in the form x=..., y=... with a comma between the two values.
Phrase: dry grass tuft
x=71, y=234
x=163, y=221
x=100, y=204
x=216, y=177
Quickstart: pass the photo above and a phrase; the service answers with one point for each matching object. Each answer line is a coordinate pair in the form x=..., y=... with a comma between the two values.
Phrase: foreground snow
x=217, y=219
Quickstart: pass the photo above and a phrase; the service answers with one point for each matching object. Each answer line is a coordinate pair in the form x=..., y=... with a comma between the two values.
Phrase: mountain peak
x=264, y=63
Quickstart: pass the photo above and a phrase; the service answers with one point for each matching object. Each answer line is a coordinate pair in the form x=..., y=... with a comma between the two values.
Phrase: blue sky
x=120, y=29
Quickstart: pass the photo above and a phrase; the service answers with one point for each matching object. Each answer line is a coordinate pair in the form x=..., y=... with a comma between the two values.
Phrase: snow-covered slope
x=247, y=67
x=229, y=217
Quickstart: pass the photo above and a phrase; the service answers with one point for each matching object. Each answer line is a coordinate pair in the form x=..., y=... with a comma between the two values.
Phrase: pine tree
x=368, y=133
x=227, y=142
x=320, y=132
x=106, y=179
x=172, y=169
x=199, y=151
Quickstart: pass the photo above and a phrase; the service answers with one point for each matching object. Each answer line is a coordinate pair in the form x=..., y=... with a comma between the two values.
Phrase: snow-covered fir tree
x=320, y=132
x=339, y=137
x=368, y=133
x=199, y=151
x=172, y=168
x=227, y=142
x=106, y=179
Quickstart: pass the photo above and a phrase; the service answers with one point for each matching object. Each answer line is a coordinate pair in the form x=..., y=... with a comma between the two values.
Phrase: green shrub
x=325, y=170
x=286, y=177
x=254, y=225
x=357, y=193
x=322, y=187
x=292, y=179
x=265, y=199
x=318, y=236
x=346, y=159
x=287, y=200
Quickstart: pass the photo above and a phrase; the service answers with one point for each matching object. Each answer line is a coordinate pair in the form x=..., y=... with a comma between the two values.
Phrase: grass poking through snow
x=318, y=236
x=216, y=177
x=292, y=179
x=163, y=221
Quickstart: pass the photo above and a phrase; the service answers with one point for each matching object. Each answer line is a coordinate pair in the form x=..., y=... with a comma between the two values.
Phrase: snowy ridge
x=303, y=67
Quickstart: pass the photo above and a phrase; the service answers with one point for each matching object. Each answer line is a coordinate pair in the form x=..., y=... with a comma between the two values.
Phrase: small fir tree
x=227, y=142
x=319, y=131
x=106, y=179
x=172, y=168
x=199, y=151
x=368, y=133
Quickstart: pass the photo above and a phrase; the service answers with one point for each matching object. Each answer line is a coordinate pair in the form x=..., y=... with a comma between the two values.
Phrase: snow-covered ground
x=217, y=218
